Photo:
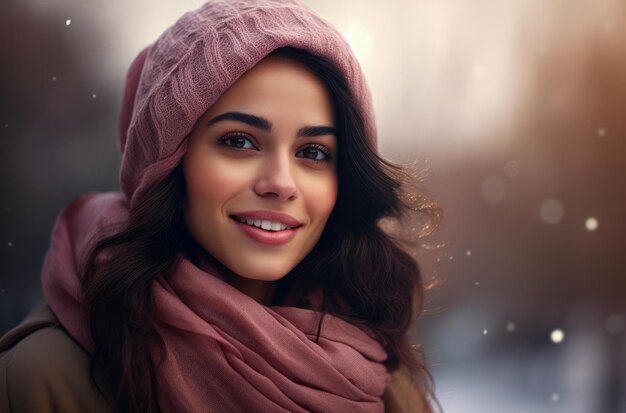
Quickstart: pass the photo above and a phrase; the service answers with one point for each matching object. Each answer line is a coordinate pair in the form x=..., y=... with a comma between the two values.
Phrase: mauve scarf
x=224, y=352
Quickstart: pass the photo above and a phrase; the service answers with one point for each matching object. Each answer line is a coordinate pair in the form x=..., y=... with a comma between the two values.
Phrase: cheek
x=210, y=181
x=210, y=184
x=321, y=197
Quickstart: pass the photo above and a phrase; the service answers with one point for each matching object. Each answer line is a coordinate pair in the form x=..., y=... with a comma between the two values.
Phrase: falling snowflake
x=591, y=224
x=68, y=22
x=485, y=332
x=557, y=336
x=10, y=244
x=510, y=326
x=555, y=397
x=468, y=253
x=601, y=132
x=93, y=96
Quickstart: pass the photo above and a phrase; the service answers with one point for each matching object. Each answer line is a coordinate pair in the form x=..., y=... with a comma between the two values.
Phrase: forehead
x=278, y=87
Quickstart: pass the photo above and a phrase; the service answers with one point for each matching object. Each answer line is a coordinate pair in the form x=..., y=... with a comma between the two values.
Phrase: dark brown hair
x=366, y=274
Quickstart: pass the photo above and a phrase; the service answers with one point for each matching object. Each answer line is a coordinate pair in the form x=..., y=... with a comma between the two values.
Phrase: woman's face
x=265, y=154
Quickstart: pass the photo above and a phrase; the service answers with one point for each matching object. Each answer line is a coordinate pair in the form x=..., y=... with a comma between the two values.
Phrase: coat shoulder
x=42, y=369
x=403, y=395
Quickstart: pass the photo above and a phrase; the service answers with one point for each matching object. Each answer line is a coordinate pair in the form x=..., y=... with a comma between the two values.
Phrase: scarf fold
x=223, y=351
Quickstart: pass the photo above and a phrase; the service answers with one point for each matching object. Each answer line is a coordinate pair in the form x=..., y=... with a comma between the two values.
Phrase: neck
x=260, y=291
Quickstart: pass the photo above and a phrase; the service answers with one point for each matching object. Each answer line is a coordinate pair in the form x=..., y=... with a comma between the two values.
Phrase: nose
x=276, y=179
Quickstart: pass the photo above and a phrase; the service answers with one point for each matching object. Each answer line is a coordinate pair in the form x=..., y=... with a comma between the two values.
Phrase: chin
x=263, y=272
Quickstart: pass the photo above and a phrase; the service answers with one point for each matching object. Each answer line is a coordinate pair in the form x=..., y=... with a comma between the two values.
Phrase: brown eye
x=316, y=153
x=237, y=141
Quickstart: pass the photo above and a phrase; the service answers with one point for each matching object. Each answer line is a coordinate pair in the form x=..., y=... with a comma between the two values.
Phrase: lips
x=267, y=227
x=265, y=215
x=264, y=224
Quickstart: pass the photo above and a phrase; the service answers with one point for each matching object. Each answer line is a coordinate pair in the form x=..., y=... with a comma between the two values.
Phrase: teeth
x=263, y=224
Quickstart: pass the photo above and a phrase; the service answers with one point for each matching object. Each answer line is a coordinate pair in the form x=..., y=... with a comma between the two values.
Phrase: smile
x=264, y=224
x=272, y=237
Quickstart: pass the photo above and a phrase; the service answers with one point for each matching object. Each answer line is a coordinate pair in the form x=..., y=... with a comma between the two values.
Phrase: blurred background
x=517, y=109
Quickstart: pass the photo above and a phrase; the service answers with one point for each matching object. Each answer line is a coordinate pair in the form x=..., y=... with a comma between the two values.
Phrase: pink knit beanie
x=175, y=80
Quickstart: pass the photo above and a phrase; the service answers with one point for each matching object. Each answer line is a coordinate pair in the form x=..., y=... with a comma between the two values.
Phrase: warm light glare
x=493, y=189
x=360, y=41
x=511, y=169
x=551, y=211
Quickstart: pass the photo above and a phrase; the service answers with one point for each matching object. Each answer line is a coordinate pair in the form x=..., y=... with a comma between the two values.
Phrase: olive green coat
x=42, y=369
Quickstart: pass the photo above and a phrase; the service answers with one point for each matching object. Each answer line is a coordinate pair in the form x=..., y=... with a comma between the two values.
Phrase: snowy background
x=518, y=109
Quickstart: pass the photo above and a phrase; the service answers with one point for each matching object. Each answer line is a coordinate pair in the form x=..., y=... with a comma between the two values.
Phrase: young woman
x=243, y=267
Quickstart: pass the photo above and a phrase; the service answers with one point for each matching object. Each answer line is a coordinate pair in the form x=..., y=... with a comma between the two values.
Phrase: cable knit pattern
x=175, y=80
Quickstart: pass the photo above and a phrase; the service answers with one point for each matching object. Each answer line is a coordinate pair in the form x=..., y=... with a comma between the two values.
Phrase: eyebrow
x=266, y=125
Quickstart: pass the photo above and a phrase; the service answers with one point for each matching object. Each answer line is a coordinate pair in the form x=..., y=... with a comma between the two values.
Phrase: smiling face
x=263, y=155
